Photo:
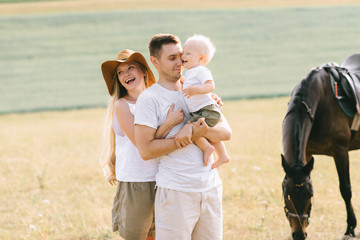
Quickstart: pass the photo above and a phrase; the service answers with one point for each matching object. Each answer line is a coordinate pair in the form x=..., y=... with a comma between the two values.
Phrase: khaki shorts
x=211, y=113
x=133, y=210
x=188, y=215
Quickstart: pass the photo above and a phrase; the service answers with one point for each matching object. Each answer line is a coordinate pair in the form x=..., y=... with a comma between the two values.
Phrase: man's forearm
x=157, y=148
x=148, y=146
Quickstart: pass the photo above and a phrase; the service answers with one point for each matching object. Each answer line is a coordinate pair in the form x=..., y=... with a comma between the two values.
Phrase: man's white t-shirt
x=195, y=77
x=183, y=169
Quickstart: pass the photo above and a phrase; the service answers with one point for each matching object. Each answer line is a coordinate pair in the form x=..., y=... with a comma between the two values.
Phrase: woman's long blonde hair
x=108, y=159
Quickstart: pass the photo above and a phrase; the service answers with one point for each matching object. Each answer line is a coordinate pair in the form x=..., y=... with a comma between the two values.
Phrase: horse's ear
x=309, y=166
x=285, y=165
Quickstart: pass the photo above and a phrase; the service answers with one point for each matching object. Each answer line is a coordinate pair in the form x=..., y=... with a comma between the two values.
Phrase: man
x=189, y=195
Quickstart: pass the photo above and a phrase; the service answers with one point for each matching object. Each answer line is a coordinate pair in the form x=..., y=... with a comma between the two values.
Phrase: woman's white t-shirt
x=130, y=167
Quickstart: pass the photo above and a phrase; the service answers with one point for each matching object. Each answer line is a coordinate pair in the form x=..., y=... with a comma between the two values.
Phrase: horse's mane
x=301, y=93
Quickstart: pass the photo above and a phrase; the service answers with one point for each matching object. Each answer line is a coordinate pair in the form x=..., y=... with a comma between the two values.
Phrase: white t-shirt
x=130, y=167
x=183, y=169
x=195, y=77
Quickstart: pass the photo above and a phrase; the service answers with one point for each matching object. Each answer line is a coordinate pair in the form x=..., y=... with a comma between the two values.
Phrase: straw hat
x=108, y=68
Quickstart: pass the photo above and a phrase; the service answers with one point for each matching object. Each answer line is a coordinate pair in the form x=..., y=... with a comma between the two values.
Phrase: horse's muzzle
x=299, y=235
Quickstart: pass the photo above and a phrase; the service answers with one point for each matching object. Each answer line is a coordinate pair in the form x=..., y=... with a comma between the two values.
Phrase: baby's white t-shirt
x=195, y=77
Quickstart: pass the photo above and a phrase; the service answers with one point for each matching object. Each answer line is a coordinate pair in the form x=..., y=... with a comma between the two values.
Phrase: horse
x=315, y=124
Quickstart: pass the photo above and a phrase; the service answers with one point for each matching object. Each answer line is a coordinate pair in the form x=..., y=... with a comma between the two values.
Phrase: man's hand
x=200, y=128
x=217, y=99
x=183, y=137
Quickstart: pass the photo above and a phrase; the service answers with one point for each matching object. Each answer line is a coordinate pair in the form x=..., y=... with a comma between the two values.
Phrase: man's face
x=170, y=64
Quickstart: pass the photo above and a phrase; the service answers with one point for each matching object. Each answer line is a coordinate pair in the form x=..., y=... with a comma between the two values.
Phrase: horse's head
x=297, y=191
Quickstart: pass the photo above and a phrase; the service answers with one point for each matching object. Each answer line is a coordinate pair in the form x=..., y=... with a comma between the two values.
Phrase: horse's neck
x=299, y=119
x=296, y=131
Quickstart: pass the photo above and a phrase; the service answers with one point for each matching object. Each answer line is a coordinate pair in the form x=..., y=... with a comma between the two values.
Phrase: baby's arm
x=173, y=118
x=205, y=88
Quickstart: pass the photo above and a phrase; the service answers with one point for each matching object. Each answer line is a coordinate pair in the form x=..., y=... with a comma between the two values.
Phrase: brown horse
x=315, y=124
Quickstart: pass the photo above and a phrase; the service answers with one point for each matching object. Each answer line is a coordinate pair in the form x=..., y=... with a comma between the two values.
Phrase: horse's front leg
x=342, y=165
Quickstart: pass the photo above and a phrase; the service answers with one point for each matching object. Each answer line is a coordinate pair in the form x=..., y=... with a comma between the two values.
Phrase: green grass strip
x=52, y=61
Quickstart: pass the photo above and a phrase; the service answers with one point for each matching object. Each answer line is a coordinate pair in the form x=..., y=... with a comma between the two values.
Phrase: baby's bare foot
x=207, y=154
x=221, y=160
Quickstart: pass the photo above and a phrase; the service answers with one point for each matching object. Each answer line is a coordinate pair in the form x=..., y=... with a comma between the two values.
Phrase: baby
x=198, y=85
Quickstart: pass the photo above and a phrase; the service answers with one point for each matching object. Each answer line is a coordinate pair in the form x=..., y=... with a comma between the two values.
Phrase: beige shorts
x=188, y=215
x=133, y=210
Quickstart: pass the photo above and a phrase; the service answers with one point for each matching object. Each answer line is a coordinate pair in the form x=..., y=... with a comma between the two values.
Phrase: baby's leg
x=223, y=156
x=206, y=147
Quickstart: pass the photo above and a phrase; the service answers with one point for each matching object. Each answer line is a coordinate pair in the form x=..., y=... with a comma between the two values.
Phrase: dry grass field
x=51, y=184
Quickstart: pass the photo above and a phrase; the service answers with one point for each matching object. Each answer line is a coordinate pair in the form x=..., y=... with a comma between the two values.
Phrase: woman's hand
x=174, y=117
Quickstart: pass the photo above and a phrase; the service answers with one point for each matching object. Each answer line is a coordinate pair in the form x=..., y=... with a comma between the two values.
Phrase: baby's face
x=190, y=56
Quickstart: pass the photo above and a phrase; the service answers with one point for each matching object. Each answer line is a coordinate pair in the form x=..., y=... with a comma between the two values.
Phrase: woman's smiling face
x=130, y=75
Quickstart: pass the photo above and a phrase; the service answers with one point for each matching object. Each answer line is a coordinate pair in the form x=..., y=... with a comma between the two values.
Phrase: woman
x=126, y=78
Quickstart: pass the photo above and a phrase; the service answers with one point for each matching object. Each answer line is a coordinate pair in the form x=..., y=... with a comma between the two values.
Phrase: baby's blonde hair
x=208, y=48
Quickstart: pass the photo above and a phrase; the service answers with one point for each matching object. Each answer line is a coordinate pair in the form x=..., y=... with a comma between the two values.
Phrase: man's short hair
x=160, y=39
